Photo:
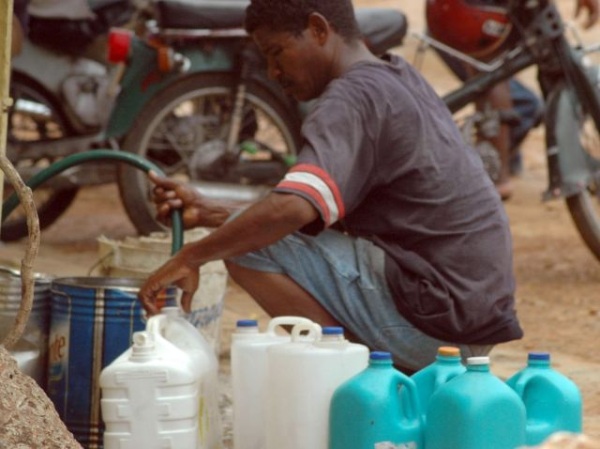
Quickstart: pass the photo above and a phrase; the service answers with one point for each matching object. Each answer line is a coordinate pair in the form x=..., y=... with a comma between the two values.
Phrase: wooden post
x=28, y=418
x=6, y=15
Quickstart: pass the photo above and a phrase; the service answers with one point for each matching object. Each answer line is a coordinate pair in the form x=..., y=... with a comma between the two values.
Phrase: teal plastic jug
x=552, y=401
x=367, y=411
x=447, y=365
x=475, y=410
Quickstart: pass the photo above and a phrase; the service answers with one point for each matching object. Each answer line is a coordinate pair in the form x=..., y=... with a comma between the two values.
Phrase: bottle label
x=390, y=445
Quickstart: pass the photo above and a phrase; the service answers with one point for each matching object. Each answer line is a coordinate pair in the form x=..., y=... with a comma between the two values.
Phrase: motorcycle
x=533, y=34
x=62, y=98
x=230, y=131
x=222, y=125
x=193, y=98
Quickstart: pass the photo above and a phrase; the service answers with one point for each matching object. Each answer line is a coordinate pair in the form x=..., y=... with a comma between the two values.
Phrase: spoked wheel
x=577, y=132
x=33, y=117
x=584, y=206
x=185, y=129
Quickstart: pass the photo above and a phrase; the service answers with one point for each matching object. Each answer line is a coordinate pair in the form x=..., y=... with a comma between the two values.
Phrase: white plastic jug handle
x=285, y=321
x=156, y=324
x=313, y=329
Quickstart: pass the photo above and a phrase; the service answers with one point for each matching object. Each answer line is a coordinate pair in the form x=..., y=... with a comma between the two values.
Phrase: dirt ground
x=557, y=277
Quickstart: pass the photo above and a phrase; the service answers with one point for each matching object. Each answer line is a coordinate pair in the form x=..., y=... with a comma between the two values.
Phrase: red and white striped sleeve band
x=315, y=184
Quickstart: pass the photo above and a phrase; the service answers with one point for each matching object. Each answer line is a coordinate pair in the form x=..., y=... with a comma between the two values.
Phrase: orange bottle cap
x=449, y=351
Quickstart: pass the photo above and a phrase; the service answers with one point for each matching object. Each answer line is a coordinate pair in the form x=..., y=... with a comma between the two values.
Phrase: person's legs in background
x=530, y=110
x=508, y=97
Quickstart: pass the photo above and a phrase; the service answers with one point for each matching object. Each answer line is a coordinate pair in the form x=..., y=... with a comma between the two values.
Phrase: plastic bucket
x=93, y=320
x=138, y=257
x=32, y=349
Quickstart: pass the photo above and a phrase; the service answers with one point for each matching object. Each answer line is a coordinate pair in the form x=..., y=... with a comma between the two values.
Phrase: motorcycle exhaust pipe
x=268, y=172
x=233, y=192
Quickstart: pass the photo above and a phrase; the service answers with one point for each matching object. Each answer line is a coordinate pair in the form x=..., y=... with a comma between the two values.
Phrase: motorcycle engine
x=209, y=161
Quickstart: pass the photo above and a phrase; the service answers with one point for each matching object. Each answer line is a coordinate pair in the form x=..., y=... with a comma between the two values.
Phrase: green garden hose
x=94, y=155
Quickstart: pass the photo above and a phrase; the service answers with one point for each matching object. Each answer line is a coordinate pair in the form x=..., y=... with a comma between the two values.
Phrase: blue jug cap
x=246, y=323
x=380, y=355
x=544, y=356
x=333, y=330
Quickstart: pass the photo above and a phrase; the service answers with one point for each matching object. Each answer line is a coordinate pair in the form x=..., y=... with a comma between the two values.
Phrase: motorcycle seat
x=210, y=15
x=383, y=28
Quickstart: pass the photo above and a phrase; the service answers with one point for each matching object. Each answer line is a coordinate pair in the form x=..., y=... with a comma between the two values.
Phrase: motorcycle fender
x=142, y=79
x=34, y=61
x=569, y=170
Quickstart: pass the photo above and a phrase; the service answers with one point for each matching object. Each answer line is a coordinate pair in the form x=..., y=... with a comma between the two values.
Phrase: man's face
x=298, y=63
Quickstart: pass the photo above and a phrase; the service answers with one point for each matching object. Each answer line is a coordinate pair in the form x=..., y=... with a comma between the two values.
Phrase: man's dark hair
x=292, y=16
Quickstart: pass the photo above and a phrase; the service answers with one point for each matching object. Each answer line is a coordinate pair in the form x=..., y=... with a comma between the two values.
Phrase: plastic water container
x=302, y=376
x=552, y=401
x=447, y=365
x=150, y=397
x=249, y=377
x=379, y=407
x=178, y=330
x=475, y=410
x=166, y=419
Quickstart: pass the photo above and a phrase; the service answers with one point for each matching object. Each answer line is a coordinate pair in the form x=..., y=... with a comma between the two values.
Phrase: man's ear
x=319, y=27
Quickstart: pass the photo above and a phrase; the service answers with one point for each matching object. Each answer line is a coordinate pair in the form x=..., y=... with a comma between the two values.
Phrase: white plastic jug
x=163, y=391
x=302, y=376
x=249, y=377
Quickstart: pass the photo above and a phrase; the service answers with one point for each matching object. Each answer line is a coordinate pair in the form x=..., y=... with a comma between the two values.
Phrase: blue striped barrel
x=92, y=322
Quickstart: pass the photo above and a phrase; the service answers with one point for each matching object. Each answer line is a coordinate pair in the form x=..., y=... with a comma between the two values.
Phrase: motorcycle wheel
x=33, y=117
x=584, y=206
x=183, y=130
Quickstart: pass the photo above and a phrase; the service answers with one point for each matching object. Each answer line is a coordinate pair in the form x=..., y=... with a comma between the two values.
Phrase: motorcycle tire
x=183, y=130
x=584, y=206
x=572, y=129
x=50, y=203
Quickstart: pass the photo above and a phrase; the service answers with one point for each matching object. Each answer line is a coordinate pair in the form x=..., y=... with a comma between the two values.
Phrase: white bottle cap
x=478, y=360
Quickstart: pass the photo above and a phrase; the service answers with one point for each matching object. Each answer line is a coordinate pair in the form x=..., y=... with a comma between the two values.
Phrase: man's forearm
x=258, y=226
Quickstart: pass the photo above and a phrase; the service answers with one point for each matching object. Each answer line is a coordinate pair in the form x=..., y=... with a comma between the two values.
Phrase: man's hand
x=197, y=210
x=591, y=6
x=176, y=271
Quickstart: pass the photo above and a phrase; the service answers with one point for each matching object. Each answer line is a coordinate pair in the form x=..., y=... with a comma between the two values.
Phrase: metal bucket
x=33, y=345
x=92, y=322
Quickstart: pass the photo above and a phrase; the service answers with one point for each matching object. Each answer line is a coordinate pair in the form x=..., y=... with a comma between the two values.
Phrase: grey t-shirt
x=383, y=159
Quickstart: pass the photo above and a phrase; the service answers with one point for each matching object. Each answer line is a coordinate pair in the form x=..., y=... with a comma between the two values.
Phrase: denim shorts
x=346, y=275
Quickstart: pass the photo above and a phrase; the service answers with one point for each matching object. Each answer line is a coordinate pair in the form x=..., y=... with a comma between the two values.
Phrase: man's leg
x=498, y=99
x=335, y=279
x=279, y=295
